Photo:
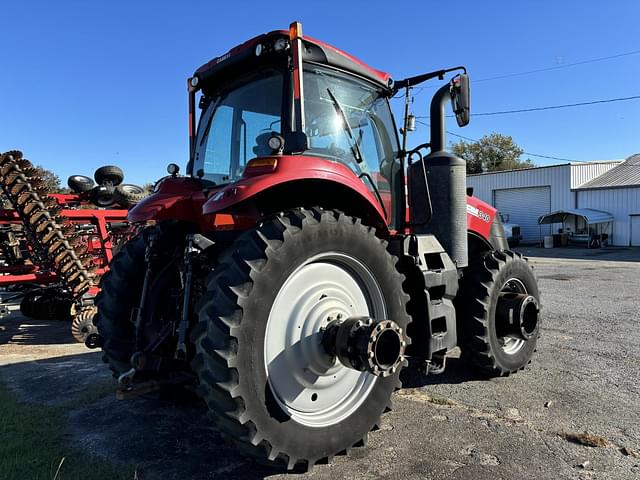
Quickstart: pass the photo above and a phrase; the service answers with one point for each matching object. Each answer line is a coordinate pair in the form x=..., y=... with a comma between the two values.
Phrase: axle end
x=366, y=345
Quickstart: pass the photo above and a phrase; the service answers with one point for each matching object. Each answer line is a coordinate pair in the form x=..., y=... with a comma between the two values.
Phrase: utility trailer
x=288, y=277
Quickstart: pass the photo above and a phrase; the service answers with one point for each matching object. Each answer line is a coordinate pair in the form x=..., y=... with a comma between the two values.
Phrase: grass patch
x=32, y=445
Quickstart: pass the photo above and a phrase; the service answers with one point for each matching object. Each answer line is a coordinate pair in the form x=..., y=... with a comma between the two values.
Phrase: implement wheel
x=82, y=324
x=127, y=195
x=498, y=313
x=80, y=183
x=109, y=175
x=259, y=355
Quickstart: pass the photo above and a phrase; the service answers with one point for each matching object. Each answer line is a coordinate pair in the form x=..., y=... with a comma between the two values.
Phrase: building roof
x=590, y=216
x=539, y=167
x=627, y=174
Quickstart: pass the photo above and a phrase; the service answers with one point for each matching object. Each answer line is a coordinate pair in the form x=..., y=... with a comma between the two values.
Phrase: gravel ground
x=584, y=378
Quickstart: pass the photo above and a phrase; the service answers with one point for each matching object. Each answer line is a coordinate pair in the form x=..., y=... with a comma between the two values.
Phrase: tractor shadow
x=161, y=438
x=457, y=371
x=156, y=436
x=19, y=330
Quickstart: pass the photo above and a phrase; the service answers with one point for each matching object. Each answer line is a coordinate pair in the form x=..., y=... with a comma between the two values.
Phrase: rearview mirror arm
x=418, y=79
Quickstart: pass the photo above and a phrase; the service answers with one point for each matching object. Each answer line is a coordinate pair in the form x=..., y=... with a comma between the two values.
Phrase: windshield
x=349, y=121
x=236, y=125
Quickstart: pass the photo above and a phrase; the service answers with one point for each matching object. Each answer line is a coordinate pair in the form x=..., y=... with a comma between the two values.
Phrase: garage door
x=634, y=236
x=523, y=206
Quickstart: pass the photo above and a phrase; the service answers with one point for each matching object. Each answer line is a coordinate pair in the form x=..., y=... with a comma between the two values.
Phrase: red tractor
x=288, y=277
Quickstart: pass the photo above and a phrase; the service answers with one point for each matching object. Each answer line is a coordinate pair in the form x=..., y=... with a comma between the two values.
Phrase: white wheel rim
x=512, y=345
x=310, y=386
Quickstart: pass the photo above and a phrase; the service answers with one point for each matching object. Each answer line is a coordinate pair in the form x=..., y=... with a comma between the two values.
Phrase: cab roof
x=315, y=51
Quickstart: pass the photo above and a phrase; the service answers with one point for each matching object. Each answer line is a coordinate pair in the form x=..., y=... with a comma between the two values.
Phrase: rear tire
x=120, y=289
x=238, y=334
x=484, y=280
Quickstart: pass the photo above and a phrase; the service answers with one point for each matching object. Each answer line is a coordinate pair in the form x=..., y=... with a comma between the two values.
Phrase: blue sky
x=85, y=84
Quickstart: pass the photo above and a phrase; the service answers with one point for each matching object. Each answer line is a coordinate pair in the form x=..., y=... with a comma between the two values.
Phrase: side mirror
x=460, y=101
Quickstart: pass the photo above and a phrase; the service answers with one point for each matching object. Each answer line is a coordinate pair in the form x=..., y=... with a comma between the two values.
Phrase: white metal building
x=524, y=195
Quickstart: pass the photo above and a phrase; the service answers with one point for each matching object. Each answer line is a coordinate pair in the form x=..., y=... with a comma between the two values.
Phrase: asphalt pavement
x=574, y=413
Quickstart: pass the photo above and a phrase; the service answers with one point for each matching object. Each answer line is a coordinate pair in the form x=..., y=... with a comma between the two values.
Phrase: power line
x=548, y=107
x=557, y=67
x=524, y=153
x=546, y=69
x=555, y=107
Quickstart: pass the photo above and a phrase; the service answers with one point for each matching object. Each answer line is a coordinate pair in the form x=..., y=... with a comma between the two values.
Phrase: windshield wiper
x=355, y=148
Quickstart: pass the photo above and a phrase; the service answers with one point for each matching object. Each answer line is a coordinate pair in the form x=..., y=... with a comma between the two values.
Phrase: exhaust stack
x=438, y=185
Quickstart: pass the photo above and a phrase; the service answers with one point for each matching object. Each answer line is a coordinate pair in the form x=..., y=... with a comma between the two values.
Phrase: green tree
x=50, y=179
x=493, y=152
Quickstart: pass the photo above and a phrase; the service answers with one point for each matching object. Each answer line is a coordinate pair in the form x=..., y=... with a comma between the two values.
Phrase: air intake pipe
x=439, y=180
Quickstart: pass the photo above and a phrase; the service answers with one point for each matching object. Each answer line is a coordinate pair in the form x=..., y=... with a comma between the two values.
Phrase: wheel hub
x=365, y=345
x=312, y=386
x=517, y=315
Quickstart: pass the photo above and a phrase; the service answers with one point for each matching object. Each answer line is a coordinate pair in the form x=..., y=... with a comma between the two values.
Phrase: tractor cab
x=279, y=95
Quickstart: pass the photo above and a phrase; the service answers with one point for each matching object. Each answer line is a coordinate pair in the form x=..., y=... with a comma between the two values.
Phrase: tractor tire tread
x=221, y=315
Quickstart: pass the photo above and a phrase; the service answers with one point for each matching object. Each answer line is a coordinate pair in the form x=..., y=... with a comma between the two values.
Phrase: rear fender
x=175, y=198
x=300, y=181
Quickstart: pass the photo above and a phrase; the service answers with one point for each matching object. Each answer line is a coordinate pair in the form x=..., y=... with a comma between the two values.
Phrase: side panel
x=480, y=216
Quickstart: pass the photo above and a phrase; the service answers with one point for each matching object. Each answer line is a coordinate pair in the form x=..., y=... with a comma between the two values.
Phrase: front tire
x=484, y=347
x=258, y=356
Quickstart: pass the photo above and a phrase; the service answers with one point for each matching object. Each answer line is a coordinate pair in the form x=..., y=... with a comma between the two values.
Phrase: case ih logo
x=485, y=217
x=223, y=58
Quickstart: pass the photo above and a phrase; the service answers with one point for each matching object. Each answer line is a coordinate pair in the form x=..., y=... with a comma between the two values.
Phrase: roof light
x=258, y=50
x=276, y=144
x=295, y=30
x=173, y=169
x=280, y=44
